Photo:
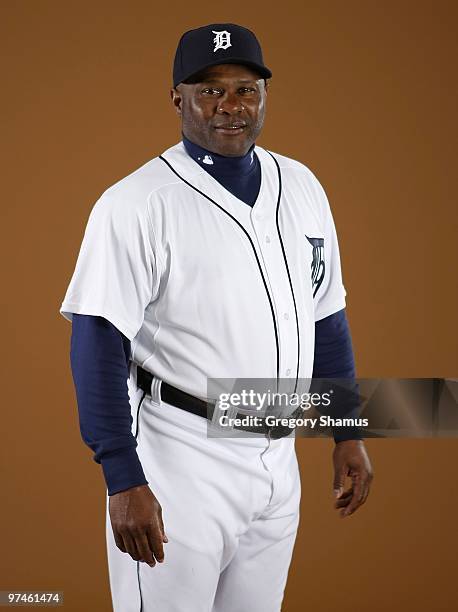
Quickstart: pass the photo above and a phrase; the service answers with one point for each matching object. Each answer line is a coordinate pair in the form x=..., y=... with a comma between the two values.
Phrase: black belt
x=190, y=403
x=175, y=397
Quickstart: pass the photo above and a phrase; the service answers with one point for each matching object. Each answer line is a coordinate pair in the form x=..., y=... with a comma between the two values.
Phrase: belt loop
x=217, y=413
x=156, y=390
x=150, y=384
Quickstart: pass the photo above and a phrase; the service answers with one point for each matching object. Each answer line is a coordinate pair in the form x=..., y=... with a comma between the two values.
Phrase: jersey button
x=286, y=316
x=288, y=372
x=267, y=239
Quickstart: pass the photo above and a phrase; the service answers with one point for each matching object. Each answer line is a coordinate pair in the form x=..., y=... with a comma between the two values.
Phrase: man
x=216, y=260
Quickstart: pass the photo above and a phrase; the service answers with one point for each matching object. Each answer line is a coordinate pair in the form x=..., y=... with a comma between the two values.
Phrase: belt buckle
x=217, y=413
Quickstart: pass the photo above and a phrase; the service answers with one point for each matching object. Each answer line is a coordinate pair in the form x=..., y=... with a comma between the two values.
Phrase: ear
x=177, y=99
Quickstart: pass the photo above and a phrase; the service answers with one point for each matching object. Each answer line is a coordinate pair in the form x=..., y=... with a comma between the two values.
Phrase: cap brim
x=264, y=72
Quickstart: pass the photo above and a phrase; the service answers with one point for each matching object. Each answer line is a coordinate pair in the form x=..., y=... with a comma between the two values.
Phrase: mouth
x=233, y=129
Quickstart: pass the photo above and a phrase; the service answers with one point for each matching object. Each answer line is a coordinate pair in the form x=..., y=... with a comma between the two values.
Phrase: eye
x=245, y=90
x=211, y=91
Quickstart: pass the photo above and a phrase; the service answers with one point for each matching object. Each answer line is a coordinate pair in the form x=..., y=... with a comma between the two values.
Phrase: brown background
x=364, y=93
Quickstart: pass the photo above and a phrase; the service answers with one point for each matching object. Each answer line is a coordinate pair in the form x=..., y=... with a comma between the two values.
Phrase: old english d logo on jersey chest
x=318, y=267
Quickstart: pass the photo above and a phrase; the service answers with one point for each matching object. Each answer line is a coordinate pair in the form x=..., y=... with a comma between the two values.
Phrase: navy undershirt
x=100, y=353
x=239, y=175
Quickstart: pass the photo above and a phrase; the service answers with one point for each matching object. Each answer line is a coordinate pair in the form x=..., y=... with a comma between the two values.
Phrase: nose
x=230, y=104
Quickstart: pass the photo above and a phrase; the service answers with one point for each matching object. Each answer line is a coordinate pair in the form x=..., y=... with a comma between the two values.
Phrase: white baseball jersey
x=204, y=285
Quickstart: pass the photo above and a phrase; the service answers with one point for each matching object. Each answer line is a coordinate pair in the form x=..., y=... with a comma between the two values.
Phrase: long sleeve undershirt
x=99, y=359
x=99, y=354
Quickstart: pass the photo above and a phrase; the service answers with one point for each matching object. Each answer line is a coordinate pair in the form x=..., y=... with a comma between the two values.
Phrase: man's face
x=223, y=109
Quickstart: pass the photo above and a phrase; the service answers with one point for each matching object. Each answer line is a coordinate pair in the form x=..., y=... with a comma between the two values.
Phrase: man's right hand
x=136, y=519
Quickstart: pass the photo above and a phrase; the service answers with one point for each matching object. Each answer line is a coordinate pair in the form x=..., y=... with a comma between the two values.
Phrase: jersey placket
x=268, y=244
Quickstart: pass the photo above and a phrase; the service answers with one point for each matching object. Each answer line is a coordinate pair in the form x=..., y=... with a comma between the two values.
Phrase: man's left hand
x=350, y=459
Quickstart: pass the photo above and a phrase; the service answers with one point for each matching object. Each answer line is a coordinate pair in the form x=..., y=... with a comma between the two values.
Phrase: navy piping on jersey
x=138, y=562
x=138, y=414
x=287, y=268
x=254, y=251
x=139, y=586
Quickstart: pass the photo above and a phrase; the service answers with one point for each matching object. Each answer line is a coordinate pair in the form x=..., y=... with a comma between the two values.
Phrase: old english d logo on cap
x=217, y=43
x=222, y=40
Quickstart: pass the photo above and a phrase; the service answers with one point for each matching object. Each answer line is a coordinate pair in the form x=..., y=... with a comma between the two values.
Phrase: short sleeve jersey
x=203, y=285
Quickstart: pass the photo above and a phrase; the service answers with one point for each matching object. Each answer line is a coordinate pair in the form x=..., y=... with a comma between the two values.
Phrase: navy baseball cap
x=217, y=43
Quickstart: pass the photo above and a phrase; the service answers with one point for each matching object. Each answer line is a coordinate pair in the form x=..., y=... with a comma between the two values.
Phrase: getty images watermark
x=339, y=408
x=258, y=402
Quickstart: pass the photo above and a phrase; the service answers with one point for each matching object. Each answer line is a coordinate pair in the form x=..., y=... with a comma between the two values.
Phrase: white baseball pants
x=230, y=510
